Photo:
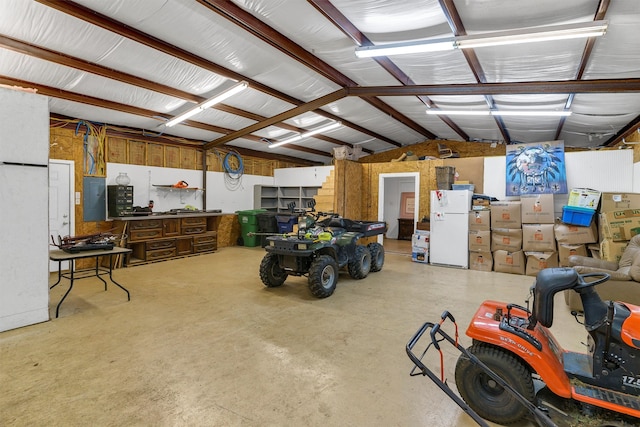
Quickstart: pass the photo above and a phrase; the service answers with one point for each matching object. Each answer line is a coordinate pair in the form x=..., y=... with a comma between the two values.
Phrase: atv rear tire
x=360, y=265
x=377, y=256
x=270, y=272
x=487, y=398
x=323, y=276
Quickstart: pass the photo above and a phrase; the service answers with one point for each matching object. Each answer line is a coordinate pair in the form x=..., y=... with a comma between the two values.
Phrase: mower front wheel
x=484, y=395
x=323, y=276
x=271, y=274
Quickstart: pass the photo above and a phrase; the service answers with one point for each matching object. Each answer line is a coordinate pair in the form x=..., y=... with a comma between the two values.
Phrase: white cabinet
x=278, y=199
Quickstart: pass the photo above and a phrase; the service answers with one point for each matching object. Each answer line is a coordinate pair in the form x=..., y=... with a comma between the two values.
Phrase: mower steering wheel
x=582, y=284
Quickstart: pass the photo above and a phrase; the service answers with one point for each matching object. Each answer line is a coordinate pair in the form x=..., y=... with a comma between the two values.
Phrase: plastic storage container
x=469, y=187
x=249, y=224
x=266, y=224
x=576, y=215
x=286, y=222
x=445, y=176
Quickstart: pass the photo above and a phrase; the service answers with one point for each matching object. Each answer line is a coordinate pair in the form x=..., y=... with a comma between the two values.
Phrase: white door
x=61, y=219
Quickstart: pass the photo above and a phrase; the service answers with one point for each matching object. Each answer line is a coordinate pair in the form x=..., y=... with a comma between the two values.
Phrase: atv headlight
x=302, y=223
x=272, y=243
x=302, y=246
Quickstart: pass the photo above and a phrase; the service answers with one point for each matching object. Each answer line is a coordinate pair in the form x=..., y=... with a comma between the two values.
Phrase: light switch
x=77, y=197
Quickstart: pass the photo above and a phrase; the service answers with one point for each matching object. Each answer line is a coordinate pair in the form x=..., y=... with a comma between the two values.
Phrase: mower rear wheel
x=360, y=265
x=323, y=276
x=484, y=395
x=377, y=256
x=271, y=274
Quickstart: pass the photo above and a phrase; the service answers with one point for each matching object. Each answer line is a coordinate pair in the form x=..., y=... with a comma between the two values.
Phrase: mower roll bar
x=538, y=414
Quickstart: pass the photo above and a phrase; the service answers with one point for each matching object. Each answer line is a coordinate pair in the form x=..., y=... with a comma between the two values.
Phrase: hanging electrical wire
x=93, y=147
x=233, y=168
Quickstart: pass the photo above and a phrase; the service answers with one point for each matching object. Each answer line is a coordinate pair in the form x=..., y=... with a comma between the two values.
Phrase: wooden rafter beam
x=330, y=12
x=457, y=27
x=89, y=67
x=586, y=55
x=535, y=87
x=124, y=108
x=275, y=39
x=87, y=15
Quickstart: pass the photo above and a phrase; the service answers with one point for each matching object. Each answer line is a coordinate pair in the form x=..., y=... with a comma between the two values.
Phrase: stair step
x=605, y=395
x=325, y=192
x=324, y=198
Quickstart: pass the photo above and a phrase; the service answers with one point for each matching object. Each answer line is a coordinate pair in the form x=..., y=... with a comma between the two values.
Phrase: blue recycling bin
x=286, y=222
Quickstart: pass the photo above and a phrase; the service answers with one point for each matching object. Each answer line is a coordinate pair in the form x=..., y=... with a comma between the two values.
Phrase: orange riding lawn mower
x=516, y=370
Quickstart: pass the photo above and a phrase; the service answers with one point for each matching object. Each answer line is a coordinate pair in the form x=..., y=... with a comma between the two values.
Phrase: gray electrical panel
x=94, y=200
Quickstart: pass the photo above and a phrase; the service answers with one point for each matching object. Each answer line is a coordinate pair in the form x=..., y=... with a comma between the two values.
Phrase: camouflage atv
x=323, y=244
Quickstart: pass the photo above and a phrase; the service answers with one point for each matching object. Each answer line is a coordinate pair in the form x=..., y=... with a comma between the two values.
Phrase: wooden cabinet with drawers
x=205, y=242
x=171, y=227
x=164, y=237
x=155, y=249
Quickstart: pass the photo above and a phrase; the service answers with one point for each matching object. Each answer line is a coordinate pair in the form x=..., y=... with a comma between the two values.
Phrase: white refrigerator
x=449, y=239
x=24, y=209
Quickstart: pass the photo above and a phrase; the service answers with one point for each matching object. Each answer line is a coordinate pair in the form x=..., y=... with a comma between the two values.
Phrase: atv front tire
x=271, y=274
x=323, y=276
x=377, y=256
x=487, y=398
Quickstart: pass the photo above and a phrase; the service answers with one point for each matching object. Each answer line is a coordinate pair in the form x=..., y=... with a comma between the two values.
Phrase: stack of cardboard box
x=538, y=239
x=506, y=237
x=480, y=257
x=524, y=237
x=573, y=237
x=420, y=246
x=619, y=221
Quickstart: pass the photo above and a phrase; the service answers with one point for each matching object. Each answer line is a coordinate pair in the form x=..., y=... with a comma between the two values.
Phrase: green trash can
x=249, y=224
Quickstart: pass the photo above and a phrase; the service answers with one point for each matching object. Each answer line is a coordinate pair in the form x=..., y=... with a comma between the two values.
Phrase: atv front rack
x=437, y=335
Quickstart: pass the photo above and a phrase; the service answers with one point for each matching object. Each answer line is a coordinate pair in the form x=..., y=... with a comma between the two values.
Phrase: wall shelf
x=165, y=190
x=276, y=199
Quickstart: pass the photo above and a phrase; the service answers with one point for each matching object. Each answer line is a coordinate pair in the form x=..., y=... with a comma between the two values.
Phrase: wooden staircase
x=325, y=198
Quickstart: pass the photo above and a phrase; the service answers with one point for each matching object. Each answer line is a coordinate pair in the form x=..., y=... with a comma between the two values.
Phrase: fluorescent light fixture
x=499, y=38
x=458, y=112
x=239, y=87
x=538, y=113
x=435, y=45
x=307, y=134
x=557, y=32
x=559, y=113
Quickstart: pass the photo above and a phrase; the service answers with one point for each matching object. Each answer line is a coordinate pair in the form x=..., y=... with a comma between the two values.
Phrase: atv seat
x=340, y=223
x=549, y=282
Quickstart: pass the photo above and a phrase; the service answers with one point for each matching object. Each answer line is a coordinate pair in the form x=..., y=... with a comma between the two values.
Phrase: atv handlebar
x=582, y=284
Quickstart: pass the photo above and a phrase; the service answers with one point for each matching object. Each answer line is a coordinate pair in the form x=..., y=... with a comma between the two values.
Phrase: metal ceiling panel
x=130, y=56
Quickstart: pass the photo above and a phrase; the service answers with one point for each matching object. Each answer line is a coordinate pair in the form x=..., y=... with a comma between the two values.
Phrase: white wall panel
x=219, y=194
x=312, y=176
x=636, y=177
x=611, y=170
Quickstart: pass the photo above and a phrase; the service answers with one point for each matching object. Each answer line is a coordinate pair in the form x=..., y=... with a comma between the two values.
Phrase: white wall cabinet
x=277, y=199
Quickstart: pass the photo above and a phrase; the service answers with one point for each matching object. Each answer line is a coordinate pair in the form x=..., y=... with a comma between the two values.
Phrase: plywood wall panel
x=353, y=190
x=469, y=169
x=228, y=231
x=116, y=150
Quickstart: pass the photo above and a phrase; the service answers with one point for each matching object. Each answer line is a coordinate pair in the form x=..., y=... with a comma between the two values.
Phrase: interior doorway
x=390, y=188
x=61, y=202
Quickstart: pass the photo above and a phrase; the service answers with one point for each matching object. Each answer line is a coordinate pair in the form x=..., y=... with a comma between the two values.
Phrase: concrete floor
x=203, y=343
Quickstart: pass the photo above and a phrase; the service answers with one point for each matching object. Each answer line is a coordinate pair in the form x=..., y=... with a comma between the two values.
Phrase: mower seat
x=549, y=282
